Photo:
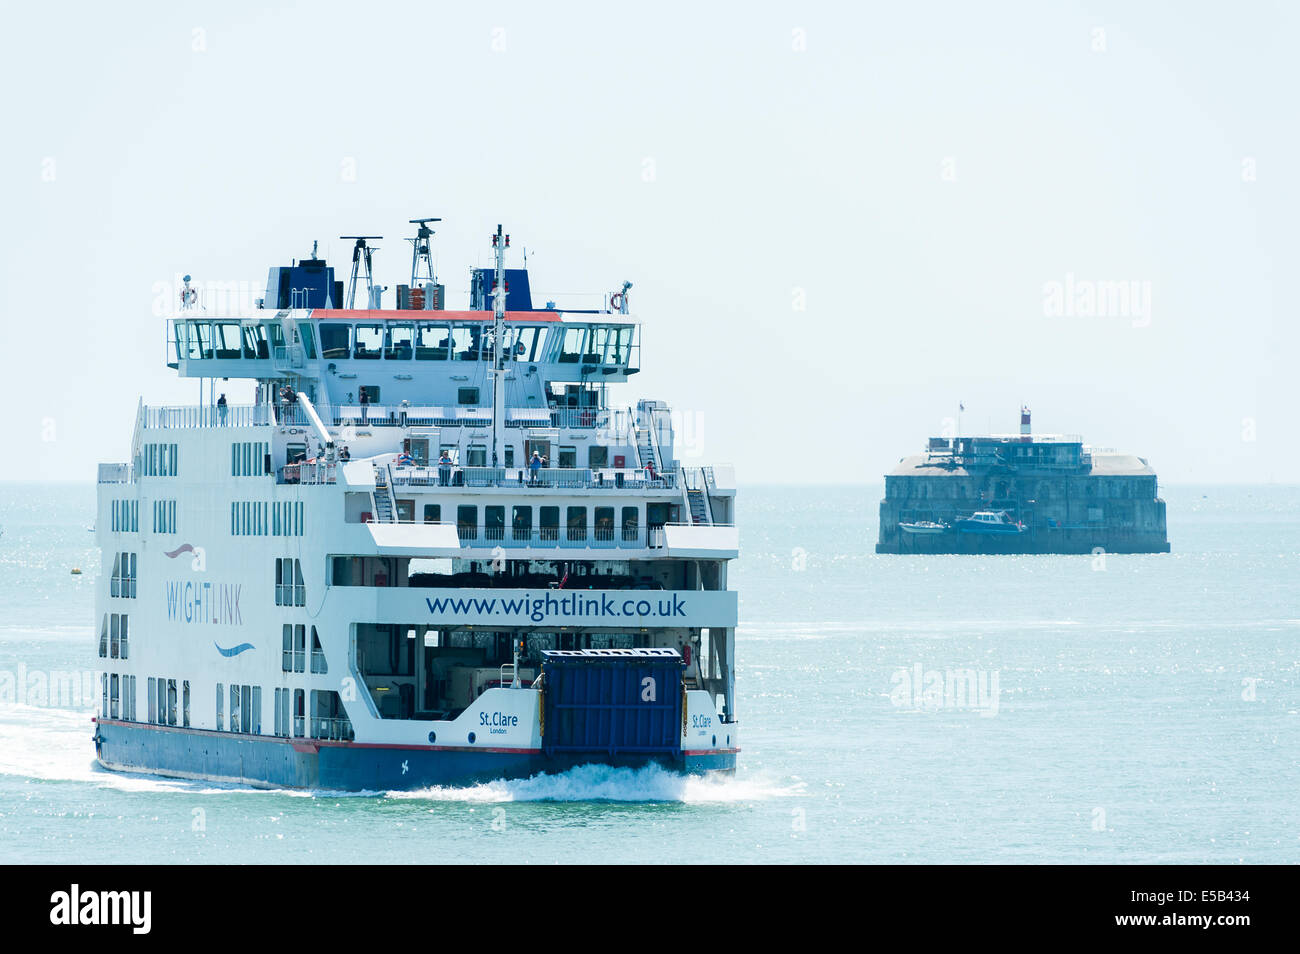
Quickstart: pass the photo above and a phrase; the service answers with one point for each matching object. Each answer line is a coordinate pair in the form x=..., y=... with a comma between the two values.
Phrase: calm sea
x=893, y=709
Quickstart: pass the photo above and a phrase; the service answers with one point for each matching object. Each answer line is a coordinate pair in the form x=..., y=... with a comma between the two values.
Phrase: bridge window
x=462, y=343
x=525, y=342
x=401, y=339
x=571, y=349
x=255, y=338
x=308, y=339
x=369, y=341
x=621, y=348
x=227, y=339
x=434, y=343
x=334, y=340
x=599, y=341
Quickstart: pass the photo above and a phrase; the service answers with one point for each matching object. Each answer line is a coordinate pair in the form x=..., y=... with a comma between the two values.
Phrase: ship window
x=103, y=688
x=130, y=707
x=576, y=523
x=189, y=335
x=400, y=342
x=334, y=340
x=568, y=457
x=461, y=341
x=494, y=523
x=572, y=345
x=308, y=339
x=103, y=637
x=622, y=347
x=631, y=516
x=185, y=703
x=467, y=397
x=318, y=664
x=298, y=712
x=597, y=457
x=204, y=332
x=286, y=648
x=114, y=643
x=432, y=513
x=406, y=511
x=112, y=696
x=369, y=339
x=476, y=455
x=510, y=455
x=255, y=701
x=604, y=525
x=525, y=343
x=234, y=708
x=433, y=343
x=246, y=709
x=548, y=519
x=227, y=339
x=221, y=722
x=171, y=701
x=521, y=523
x=599, y=340
x=467, y=521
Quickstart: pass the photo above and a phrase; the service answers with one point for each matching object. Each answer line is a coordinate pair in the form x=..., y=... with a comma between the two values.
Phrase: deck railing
x=616, y=421
x=563, y=478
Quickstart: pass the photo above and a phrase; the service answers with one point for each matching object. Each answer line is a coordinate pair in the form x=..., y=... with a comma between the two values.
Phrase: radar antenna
x=420, y=254
x=361, y=258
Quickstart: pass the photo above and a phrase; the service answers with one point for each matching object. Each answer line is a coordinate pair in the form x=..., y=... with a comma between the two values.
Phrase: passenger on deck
x=444, y=469
x=534, y=466
x=221, y=408
x=345, y=454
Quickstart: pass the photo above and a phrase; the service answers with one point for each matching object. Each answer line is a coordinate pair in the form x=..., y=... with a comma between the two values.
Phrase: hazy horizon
x=839, y=221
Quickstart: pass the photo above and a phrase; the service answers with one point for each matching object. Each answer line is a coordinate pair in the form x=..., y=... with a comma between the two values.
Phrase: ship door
x=542, y=447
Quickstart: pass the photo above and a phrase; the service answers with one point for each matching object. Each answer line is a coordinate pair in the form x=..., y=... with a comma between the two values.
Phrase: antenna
x=500, y=242
x=420, y=251
x=361, y=253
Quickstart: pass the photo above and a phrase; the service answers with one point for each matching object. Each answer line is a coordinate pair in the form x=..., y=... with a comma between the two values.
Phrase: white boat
x=431, y=550
x=991, y=522
x=925, y=527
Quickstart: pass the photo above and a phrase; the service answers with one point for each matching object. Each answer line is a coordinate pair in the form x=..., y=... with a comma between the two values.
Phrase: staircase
x=383, y=497
x=645, y=450
x=699, y=506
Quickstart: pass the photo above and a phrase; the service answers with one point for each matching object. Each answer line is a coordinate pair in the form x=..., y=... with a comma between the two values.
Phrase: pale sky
x=840, y=219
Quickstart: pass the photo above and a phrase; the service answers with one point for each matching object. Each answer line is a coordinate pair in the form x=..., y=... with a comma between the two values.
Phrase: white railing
x=234, y=415
x=560, y=478
x=116, y=474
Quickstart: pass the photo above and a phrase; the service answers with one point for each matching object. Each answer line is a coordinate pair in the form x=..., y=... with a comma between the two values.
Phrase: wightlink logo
x=216, y=603
x=933, y=689
x=573, y=606
x=75, y=907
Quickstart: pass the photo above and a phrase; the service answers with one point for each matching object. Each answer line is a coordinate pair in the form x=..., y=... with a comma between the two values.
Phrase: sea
x=893, y=709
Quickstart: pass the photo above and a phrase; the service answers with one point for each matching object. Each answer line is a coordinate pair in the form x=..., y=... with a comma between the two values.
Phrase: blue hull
x=274, y=762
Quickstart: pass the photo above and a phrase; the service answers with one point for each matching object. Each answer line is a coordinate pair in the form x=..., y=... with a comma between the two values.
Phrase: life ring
x=616, y=301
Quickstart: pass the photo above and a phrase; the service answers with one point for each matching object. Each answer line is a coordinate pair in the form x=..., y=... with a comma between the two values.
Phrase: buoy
x=76, y=571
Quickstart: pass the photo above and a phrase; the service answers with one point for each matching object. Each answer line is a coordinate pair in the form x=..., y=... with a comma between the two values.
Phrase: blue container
x=612, y=701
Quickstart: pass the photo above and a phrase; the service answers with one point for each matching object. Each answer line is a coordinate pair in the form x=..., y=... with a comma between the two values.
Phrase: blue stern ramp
x=612, y=702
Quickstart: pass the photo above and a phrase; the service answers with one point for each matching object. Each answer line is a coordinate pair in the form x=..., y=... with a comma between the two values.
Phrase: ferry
x=431, y=550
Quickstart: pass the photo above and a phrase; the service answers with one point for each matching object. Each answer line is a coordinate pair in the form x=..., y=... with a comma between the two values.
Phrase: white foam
x=604, y=783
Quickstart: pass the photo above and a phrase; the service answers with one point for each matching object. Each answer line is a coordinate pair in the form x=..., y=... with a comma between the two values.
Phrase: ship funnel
x=1025, y=430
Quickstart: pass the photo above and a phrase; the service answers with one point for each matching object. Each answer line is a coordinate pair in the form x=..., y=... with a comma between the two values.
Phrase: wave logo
x=235, y=650
x=199, y=563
